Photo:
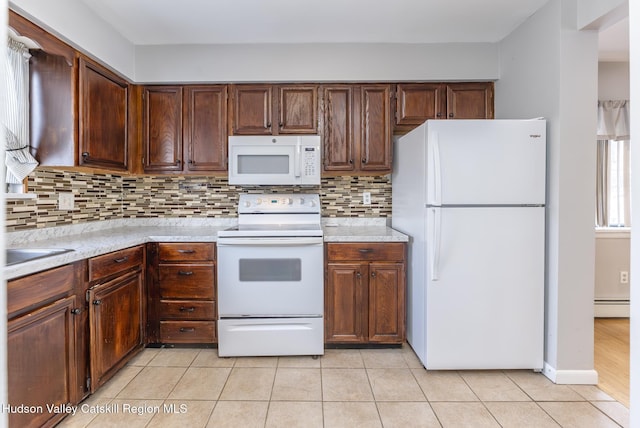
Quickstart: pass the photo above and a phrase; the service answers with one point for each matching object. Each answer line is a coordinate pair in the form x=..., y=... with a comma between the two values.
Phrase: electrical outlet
x=66, y=201
x=624, y=277
x=366, y=198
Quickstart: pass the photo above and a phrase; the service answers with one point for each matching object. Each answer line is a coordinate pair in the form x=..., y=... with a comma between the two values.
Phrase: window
x=612, y=174
x=613, y=192
x=18, y=159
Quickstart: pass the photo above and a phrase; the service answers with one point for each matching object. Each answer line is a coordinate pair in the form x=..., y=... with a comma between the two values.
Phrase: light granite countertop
x=90, y=240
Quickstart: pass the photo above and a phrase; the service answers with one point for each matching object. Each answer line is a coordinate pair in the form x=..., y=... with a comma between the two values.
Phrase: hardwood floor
x=611, y=356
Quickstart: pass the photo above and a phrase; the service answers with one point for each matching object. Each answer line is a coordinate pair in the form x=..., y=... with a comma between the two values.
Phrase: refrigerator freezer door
x=485, y=306
x=486, y=162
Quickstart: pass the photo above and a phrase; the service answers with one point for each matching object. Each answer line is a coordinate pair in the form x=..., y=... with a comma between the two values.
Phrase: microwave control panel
x=310, y=161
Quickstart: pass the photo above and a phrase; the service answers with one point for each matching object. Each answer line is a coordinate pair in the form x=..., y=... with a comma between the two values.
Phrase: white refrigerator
x=471, y=196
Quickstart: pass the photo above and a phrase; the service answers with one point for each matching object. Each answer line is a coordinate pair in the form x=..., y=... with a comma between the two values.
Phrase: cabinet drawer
x=187, y=309
x=186, y=281
x=186, y=251
x=112, y=263
x=187, y=331
x=366, y=251
x=34, y=290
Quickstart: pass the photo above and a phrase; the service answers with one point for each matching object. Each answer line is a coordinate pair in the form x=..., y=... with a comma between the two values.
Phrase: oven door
x=270, y=277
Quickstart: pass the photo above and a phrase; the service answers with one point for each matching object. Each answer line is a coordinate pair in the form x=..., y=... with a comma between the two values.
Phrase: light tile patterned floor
x=344, y=388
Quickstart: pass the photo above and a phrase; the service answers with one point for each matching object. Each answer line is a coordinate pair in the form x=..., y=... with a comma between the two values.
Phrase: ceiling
x=167, y=22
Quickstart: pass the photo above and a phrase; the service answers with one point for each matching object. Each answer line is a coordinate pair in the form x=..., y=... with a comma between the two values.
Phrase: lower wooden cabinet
x=116, y=324
x=116, y=311
x=365, y=293
x=44, y=335
x=182, y=293
x=41, y=363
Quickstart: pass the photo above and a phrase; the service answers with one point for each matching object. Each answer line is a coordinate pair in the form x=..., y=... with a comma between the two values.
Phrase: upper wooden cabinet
x=103, y=109
x=417, y=102
x=273, y=109
x=356, y=131
x=184, y=129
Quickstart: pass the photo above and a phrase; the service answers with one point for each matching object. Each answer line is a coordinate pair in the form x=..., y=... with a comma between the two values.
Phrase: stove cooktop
x=257, y=230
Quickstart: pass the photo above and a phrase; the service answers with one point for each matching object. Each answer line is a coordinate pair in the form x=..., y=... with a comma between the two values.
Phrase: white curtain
x=612, y=174
x=613, y=120
x=18, y=159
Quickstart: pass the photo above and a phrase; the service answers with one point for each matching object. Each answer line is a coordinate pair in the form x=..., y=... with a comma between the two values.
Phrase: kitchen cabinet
x=417, y=102
x=273, y=109
x=43, y=337
x=356, y=131
x=184, y=129
x=116, y=311
x=103, y=101
x=365, y=293
x=182, y=294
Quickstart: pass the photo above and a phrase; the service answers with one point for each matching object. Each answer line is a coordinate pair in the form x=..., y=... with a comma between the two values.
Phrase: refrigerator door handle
x=435, y=243
x=437, y=175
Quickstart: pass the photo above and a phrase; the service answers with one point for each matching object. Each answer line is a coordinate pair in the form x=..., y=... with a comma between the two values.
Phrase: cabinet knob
x=373, y=274
x=450, y=114
x=439, y=114
x=76, y=311
x=177, y=161
x=85, y=155
x=351, y=161
x=281, y=124
x=97, y=302
x=364, y=160
x=358, y=275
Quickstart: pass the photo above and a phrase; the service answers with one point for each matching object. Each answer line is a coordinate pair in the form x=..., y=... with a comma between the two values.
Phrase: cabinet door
x=470, y=100
x=251, y=109
x=162, y=129
x=386, y=302
x=115, y=317
x=345, y=302
x=338, y=132
x=375, y=128
x=41, y=364
x=298, y=109
x=416, y=103
x=103, y=100
x=205, y=130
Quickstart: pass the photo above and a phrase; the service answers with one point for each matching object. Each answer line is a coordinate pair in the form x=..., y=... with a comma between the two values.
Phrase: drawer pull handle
x=123, y=259
x=185, y=273
x=187, y=329
x=366, y=250
x=187, y=251
x=183, y=309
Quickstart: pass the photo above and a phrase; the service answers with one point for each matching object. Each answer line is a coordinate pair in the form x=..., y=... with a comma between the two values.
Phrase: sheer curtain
x=612, y=175
x=18, y=159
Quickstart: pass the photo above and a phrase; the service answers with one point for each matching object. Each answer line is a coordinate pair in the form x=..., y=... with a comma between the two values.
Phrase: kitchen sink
x=21, y=255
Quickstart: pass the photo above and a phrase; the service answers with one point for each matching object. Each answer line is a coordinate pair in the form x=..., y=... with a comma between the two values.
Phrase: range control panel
x=279, y=203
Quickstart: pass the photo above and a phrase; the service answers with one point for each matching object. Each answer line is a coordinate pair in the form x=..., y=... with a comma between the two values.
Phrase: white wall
x=596, y=14
x=316, y=62
x=549, y=69
x=613, y=81
x=634, y=66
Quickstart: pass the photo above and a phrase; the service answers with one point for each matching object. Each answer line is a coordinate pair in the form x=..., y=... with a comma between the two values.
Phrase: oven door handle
x=282, y=242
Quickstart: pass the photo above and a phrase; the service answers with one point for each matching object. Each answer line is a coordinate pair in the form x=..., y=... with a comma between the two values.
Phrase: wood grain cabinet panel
x=182, y=293
x=375, y=128
x=162, y=129
x=419, y=102
x=41, y=363
x=338, y=132
x=365, y=293
x=470, y=101
x=252, y=110
x=298, y=109
x=205, y=128
x=116, y=325
x=103, y=106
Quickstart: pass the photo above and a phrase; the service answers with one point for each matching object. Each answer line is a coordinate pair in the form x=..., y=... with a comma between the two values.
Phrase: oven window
x=263, y=164
x=252, y=270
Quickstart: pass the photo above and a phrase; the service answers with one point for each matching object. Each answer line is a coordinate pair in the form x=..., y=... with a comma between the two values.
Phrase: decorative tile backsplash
x=111, y=196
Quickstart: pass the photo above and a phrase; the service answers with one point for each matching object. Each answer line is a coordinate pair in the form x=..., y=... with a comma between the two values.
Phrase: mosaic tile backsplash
x=111, y=196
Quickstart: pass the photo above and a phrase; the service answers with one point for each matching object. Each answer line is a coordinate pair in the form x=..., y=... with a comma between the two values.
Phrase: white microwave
x=274, y=160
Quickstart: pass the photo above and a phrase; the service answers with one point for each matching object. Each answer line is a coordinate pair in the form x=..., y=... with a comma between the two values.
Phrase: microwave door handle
x=296, y=165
